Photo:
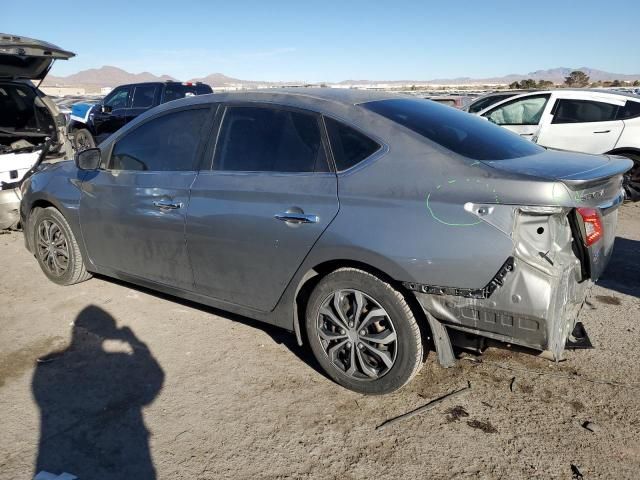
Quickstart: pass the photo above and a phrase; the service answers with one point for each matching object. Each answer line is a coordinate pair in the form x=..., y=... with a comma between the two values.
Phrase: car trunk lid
x=584, y=182
x=27, y=58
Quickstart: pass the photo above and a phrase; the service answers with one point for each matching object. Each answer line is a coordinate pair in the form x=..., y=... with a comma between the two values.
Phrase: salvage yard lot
x=212, y=395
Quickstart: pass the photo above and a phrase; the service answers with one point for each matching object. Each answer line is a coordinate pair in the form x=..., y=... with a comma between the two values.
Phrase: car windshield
x=486, y=102
x=457, y=131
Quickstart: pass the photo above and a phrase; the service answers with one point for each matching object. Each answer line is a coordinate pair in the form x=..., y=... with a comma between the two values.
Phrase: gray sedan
x=363, y=222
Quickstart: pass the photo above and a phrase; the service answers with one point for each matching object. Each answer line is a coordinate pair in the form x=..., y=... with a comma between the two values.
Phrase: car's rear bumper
x=531, y=308
x=9, y=208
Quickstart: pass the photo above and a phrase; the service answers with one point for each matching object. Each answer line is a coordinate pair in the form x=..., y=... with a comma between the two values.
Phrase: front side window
x=143, y=96
x=583, y=111
x=523, y=111
x=166, y=143
x=118, y=98
x=262, y=139
x=460, y=132
x=349, y=146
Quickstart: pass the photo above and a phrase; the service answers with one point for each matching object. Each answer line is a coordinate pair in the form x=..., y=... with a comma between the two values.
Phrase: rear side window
x=166, y=143
x=262, y=139
x=583, y=111
x=174, y=91
x=457, y=131
x=630, y=110
x=349, y=146
x=143, y=96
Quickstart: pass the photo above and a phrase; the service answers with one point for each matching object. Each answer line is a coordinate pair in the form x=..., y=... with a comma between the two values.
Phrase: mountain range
x=109, y=76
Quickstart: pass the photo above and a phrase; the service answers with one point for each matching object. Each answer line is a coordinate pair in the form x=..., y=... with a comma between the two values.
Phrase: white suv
x=589, y=121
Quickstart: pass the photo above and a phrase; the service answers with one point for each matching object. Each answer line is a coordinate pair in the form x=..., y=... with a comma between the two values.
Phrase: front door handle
x=296, y=218
x=603, y=131
x=166, y=205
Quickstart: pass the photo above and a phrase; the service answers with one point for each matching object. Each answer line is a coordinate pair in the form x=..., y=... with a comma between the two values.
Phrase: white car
x=589, y=121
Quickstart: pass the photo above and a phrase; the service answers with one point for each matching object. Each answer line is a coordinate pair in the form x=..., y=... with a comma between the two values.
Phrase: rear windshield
x=175, y=91
x=463, y=133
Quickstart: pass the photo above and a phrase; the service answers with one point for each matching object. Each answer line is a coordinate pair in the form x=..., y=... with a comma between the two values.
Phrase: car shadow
x=278, y=335
x=623, y=272
x=90, y=399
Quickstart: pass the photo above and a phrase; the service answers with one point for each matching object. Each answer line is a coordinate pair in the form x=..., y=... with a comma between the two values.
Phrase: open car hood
x=26, y=58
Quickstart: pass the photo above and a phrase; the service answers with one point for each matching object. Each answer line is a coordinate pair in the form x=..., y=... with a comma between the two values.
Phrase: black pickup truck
x=91, y=123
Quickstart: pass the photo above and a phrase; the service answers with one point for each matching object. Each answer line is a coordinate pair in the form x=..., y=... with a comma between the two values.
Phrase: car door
x=257, y=213
x=582, y=125
x=132, y=213
x=144, y=97
x=521, y=115
x=113, y=114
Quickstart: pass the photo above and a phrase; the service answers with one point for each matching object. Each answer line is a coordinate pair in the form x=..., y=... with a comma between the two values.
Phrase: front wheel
x=82, y=139
x=362, y=332
x=56, y=248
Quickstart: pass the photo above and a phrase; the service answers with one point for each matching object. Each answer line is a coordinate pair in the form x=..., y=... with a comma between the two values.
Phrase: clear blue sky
x=332, y=41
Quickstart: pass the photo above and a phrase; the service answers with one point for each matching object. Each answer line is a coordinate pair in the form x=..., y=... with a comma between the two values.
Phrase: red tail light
x=592, y=225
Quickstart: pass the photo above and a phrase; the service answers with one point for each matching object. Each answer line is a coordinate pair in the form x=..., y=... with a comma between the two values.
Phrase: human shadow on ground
x=91, y=398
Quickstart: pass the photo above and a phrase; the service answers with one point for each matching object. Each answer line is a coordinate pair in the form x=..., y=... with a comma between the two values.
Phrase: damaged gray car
x=364, y=222
x=32, y=129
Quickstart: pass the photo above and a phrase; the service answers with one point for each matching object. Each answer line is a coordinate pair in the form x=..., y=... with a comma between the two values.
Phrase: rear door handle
x=166, y=205
x=291, y=217
x=603, y=131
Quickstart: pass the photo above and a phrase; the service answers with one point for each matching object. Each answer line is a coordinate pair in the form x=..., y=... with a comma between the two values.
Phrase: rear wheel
x=362, y=332
x=56, y=248
x=82, y=139
x=631, y=180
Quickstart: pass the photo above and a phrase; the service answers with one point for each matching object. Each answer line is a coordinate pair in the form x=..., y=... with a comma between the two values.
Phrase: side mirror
x=106, y=108
x=88, y=159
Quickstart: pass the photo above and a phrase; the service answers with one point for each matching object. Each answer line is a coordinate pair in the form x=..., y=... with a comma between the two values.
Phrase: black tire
x=82, y=139
x=407, y=349
x=631, y=179
x=52, y=264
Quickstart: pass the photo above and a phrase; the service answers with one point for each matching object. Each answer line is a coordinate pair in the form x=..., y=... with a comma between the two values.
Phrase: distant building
x=105, y=90
x=63, y=91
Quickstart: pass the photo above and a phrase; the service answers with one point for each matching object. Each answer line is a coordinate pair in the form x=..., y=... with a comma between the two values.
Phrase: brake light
x=592, y=225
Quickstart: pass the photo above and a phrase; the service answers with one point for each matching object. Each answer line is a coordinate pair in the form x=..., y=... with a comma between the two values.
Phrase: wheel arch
x=623, y=150
x=313, y=275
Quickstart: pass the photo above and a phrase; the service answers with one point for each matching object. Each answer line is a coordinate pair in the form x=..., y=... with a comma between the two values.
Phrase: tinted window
x=348, y=145
x=143, y=96
x=257, y=139
x=166, y=143
x=174, y=91
x=118, y=98
x=583, y=111
x=522, y=111
x=460, y=132
x=486, y=102
x=631, y=109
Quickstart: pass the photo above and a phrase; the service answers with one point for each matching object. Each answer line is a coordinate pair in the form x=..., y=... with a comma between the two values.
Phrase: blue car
x=91, y=123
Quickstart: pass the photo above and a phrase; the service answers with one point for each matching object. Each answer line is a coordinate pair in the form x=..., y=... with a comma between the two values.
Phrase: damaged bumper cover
x=535, y=298
x=9, y=208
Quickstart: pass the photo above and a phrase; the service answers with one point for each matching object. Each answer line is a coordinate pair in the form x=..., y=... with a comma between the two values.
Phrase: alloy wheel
x=52, y=247
x=357, y=334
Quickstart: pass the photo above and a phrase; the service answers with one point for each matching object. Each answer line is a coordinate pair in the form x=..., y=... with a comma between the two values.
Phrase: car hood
x=569, y=167
x=26, y=58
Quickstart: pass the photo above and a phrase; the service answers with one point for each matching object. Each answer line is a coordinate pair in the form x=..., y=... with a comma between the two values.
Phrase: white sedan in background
x=589, y=121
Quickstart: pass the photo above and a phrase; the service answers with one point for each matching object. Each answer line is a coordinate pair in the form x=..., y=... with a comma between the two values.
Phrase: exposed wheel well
x=317, y=273
x=625, y=151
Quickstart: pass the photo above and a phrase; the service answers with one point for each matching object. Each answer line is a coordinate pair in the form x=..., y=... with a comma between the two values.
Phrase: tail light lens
x=592, y=225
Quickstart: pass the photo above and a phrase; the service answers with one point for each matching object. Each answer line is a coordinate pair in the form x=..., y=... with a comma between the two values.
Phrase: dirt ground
x=132, y=384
